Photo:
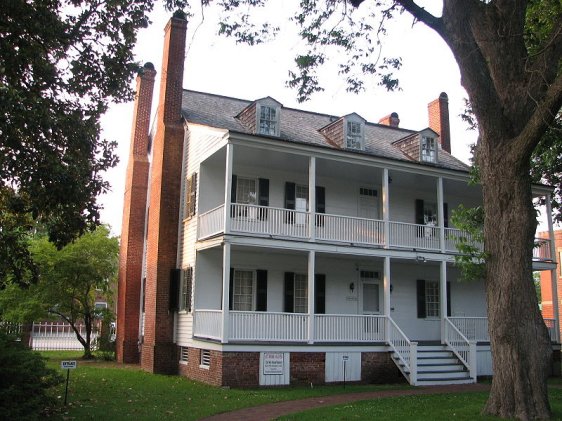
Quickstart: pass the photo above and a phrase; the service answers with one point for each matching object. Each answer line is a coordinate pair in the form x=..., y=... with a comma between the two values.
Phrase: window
x=432, y=298
x=190, y=195
x=301, y=204
x=100, y=305
x=268, y=121
x=205, y=361
x=354, y=137
x=243, y=293
x=184, y=355
x=428, y=149
x=301, y=293
x=246, y=191
x=186, y=287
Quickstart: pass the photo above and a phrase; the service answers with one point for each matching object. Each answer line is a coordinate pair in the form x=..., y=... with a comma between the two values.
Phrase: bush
x=24, y=381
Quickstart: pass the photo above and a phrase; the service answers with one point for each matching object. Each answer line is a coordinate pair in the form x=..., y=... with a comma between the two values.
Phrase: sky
x=215, y=64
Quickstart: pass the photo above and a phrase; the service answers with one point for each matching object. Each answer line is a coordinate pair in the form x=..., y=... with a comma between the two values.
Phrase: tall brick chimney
x=438, y=111
x=132, y=230
x=391, y=120
x=158, y=352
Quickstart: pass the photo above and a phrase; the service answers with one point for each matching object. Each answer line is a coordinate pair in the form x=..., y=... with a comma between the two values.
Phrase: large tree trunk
x=520, y=342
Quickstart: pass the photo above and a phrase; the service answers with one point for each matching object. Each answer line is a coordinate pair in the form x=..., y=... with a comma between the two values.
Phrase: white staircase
x=435, y=365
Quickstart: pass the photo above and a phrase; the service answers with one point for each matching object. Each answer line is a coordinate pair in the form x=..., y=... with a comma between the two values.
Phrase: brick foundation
x=308, y=367
x=378, y=368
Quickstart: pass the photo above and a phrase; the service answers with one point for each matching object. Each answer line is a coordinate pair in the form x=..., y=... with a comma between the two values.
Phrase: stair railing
x=464, y=349
x=406, y=350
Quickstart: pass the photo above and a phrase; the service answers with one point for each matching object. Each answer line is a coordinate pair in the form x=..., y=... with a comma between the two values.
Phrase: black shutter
x=289, y=292
x=448, y=299
x=233, y=194
x=188, y=288
x=263, y=197
x=175, y=275
x=261, y=290
x=420, y=293
x=446, y=215
x=231, y=289
x=419, y=217
x=320, y=293
x=187, y=209
x=193, y=194
x=320, y=205
x=290, y=199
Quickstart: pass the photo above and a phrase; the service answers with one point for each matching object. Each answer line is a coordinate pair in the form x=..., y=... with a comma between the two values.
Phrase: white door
x=371, y=297
x=368, y=203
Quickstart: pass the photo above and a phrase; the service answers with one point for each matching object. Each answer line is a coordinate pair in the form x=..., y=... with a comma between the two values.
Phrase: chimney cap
x=179, y=14
x=394, y=114
x=148, y=66
x=443, y=95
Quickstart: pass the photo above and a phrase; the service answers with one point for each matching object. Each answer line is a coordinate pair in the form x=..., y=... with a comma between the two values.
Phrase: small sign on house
x=273, y=363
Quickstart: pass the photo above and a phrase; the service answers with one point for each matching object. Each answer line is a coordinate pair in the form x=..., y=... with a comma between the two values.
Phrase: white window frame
x=354, y=134
x=432, y=300
x=428, y=149
x=303, y=299
x=266, y=124
x=252, y=293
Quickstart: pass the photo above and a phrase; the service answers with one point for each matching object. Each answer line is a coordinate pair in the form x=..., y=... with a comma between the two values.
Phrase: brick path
x=278, y=409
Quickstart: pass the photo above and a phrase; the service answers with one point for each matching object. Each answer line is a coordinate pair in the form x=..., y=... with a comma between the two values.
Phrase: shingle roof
x=301, y=127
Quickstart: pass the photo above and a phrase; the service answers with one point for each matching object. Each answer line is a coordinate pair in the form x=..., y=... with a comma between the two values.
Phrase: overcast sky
x=217, y=65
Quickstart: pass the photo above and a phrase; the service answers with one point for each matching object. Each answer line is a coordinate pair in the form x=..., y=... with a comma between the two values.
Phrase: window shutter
x=289, y=292
x=231, y=289
x=261, y=290
x=420, y=293
x=233, y=194
x=187, y=198
x=320, y=293
x=445, y=215
x=448, y=299
x=263, y=199
x=187, y=283
x=290, y=199
x=193, y=194
x=320, y=205
x=419, y=217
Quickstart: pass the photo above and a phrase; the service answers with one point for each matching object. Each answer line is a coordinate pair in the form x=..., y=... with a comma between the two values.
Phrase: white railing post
x=441, y=213
x=311, y=295
x=225, y=292
x=473, y=358
x=443, y=292
x=386, y=207
x=312, y=198
x=413, y=363
x=386, y=280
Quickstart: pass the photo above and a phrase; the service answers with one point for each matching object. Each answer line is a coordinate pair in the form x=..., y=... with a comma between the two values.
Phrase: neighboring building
x=264, y=245
x=550, y=306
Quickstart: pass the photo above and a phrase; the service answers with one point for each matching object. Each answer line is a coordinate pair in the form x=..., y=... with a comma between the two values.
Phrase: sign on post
x=67, y=365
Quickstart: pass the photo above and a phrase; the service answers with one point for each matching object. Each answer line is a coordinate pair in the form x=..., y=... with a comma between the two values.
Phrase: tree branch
x=422, y=15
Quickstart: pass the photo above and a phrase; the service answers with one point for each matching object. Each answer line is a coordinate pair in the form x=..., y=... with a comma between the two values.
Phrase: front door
x=370, y=292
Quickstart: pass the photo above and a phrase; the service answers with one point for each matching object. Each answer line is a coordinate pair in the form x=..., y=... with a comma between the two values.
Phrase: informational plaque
x=273, y=363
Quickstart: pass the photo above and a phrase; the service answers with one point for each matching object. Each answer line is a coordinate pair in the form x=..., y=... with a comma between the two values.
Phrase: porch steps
x=436, y=365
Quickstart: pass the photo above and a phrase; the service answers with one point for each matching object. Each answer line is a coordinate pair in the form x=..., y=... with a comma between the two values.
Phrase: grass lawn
x=103, y=390
x=466, y=406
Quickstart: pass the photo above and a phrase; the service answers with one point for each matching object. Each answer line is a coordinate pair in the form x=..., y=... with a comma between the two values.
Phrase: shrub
x=24, y=381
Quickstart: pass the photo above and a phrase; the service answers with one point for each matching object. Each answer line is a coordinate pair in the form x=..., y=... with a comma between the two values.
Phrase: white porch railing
x=453, y=236
x=473, y=328
x=553, y=329
x=265, y=326
x=349, y=328
x=416, y=236
x=464, y=349
x=405, y=350
x=269, y=221
x=49, y=336
x=349, y=229
x=541, y=250
x=211, y=222
x=208, y=324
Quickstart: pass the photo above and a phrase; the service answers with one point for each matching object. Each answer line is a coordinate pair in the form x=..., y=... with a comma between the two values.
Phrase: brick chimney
x=132, y=229
x=438, y=111
x=158, y=352
x=391, y=120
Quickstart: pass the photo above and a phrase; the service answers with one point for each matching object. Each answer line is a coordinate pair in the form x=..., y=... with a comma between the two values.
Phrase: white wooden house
x=319, y=248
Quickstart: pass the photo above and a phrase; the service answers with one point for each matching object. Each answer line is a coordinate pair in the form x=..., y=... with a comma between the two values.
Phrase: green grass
x=465, y=406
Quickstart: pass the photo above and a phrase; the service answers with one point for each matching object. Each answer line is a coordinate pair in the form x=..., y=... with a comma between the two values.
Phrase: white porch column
x=312, y=198
x=228, y=187
x=553, y=273
x=311, y=295
x=441, y=213
x=443, y=295
x=225, y=291
x=386, y=207
x=386, y=284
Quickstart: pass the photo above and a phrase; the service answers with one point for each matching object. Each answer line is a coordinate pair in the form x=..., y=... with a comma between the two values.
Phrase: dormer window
x=354, y=135
x=268, y=121
x=428, y=149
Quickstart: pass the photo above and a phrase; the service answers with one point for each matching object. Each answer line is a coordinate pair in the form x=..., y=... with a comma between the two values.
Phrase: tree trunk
x=520, y=343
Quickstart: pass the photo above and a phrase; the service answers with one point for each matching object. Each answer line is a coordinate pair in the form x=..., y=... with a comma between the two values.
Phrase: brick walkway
x=278, y=409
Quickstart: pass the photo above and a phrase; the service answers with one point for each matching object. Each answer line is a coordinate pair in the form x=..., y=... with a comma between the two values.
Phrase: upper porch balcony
x=281, y=223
